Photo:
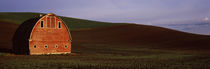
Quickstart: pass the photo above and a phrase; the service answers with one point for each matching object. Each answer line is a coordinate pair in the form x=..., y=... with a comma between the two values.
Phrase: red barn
x=46, y=34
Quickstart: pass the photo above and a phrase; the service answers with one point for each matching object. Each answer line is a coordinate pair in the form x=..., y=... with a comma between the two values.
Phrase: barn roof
x=27, y=26
x=20, y=38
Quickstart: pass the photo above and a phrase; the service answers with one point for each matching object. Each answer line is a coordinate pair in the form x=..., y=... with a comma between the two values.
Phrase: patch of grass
x=106, y=56
x=3, y=54
x=17, y=17
x=104, y=62
x=72, y=23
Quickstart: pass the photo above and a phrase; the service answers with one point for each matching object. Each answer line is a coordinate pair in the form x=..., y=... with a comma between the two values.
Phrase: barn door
x=48, y=21
x=51, y=22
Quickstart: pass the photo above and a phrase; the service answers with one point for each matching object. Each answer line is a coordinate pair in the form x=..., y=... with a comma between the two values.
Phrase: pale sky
x=131, y=11
x=138, y=11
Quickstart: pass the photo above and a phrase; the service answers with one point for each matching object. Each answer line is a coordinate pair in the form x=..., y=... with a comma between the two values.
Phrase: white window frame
x=35, y=46
x=66, y=46
x=60, y=24
x=46, y=21
x=42, y=24
x=56, y=46
x=55, y=21
x=45, y=46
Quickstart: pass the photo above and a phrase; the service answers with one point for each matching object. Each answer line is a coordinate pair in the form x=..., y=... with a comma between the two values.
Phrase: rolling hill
x=6, y=33
x=101, y=45
x=137, y=35
x=111, y=33
x=73, y=23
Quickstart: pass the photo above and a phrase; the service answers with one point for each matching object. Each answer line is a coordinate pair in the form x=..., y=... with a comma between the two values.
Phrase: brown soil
x=6, y=34
x=126, y=35
x=133, y=34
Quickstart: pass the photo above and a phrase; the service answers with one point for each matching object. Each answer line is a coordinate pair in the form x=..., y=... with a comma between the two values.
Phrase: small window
x=34, y=46
x=45, y=46
x=59, y=24
x=56, y=46
x=42, y=24
x=66, y=46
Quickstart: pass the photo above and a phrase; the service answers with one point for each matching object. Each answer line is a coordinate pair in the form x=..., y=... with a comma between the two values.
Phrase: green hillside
x=17, y=18
x=73, y=23
x=127, y=46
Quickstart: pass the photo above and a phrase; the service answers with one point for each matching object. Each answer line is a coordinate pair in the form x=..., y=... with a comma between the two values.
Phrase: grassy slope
x=118, y=47
x=73, y=23
x=17, y=18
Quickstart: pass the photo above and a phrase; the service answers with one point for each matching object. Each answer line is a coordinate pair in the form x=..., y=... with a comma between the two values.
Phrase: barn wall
x=51, y=47
x=49, y=35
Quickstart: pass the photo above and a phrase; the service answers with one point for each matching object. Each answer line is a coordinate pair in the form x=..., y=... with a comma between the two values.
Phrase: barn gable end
x=47, y=35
